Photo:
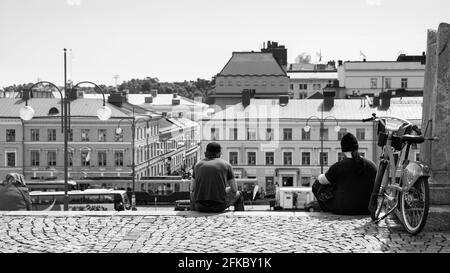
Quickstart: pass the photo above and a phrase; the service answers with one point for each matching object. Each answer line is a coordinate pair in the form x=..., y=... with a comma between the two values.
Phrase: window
x=51, y=158
x=233, y=133
x=404, y=83
x=306, y=158
x=373, y=83
x=84, y=135
x=233, y=158
x=360, y=134
x=287, y=181
x=51, y=134
x=269, y=134
x=287, y=158
x=342, y=133
x=303, y=86
x=341, y=156
x=118, y=158
x=70, y=158
x=270, y=188
x=287, y=133
x=317, y=86
x=214, y=133
x=251, y=134
x=269, y=158
x=305, y=181
x=70, y=135
x=85, y=158
x=10, y=135
x=251, y=157
x=324, y=133
x=417, y=157
x=34, y=134
x=387, y=83
x=102, y=135
x=291, y=86
x=306, y=135
x=35, y=158
x=11, y=159
x=101, y=156
x=324, y=158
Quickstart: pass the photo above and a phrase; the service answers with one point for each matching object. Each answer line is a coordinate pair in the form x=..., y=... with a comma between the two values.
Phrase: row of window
x=287, y=158
x=304, y=86
x=287, y=134
x=85, y=158
x=247, y=83
x=85, y=134
x=388, y=83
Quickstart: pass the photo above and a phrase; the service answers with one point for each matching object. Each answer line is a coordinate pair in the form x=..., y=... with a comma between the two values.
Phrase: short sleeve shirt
x=211, y=176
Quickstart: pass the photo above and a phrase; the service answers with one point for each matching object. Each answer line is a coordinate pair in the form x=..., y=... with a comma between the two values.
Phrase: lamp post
x=322, y=120
x=27, y=113
x=133, y=153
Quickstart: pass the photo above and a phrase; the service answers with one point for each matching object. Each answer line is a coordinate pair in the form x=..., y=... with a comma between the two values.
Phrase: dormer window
x=53, y=111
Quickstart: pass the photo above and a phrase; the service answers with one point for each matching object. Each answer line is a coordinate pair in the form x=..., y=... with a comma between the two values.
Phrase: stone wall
x=436, y=113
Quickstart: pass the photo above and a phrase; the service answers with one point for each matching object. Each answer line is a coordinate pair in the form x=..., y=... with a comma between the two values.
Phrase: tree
x=303, y=58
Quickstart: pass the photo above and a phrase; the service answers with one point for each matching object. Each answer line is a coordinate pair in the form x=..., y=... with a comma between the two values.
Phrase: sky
x=177, y=40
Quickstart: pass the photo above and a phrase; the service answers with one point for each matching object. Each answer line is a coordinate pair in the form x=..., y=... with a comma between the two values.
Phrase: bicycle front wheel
x=415, y=204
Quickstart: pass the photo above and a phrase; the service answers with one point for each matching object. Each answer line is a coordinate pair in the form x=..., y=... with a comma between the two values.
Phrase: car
x=182, y=205
x=312, y=206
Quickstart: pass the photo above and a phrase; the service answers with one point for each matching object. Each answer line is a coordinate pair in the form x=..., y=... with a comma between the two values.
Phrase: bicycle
x=400, y=183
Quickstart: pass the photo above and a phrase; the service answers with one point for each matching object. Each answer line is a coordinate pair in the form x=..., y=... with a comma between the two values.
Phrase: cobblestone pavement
x=228, y=232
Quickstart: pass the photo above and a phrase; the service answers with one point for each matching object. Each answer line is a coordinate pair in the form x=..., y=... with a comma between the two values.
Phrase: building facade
x=269, y=142
x=373, y=77
x=304, y=84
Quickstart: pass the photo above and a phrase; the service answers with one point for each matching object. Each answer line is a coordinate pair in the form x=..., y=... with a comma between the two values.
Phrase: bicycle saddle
x=413, y=139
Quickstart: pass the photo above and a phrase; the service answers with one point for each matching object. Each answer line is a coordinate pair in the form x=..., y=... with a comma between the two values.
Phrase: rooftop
x=80, y=107
x=343, y=109
x=252, y=64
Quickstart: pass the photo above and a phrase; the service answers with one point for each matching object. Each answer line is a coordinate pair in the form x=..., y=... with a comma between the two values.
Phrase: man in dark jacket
x=14, y=194
x=347, y=185
x=213, y=186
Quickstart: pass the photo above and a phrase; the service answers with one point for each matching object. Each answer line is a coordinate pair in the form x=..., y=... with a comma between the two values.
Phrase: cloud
x=373, y=2
x=73, y=2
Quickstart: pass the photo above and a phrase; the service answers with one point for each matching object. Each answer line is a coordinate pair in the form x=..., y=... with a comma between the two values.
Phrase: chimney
x=376, y=101
x=328, y=100
x=148, y=99
x=283, y=100
x=117, y=99
x=175, y=100
x=364, y=60
x=339, y=62
x=385, y=100
x=246, y=97
x=154, y=92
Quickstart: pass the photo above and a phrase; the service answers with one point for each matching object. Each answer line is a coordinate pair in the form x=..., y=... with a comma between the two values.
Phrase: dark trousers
x=235, y=199
x=318, y=190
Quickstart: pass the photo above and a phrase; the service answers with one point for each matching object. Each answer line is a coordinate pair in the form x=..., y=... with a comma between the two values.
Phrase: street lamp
x=133, y=164
x=27, y=113
x=322, y=120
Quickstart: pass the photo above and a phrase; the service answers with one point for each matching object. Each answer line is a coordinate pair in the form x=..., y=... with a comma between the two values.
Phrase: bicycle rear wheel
x=415, y=205
x=377, y=198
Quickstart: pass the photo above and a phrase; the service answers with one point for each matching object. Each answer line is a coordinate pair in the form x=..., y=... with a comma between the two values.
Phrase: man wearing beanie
x=347, y=185
x=213, y=186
